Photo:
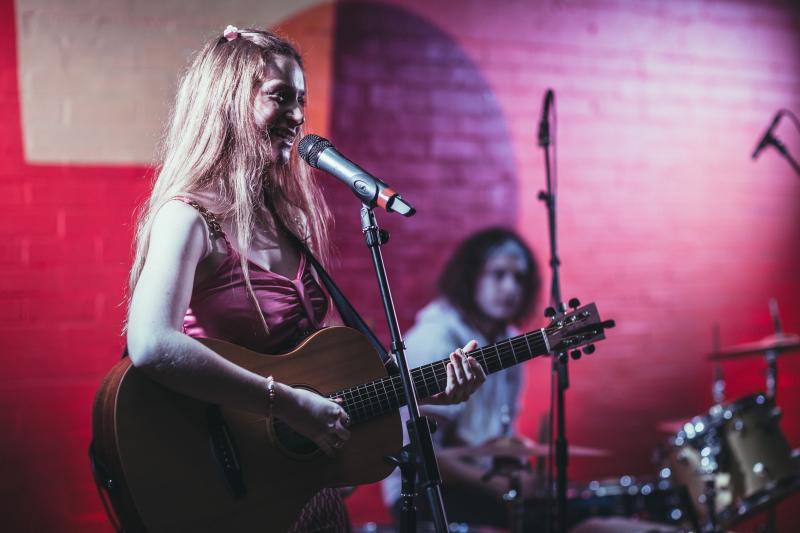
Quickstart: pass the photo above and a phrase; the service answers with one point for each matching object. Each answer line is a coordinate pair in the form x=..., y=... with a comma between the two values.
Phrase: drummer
x=490, y=283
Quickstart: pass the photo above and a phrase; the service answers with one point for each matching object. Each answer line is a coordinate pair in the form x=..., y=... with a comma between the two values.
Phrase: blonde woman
x=217, y=253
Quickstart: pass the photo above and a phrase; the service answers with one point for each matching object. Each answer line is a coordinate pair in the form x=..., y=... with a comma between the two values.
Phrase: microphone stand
x=420, y=452
x=784, y=152
x=560, y=370
x=770, y=139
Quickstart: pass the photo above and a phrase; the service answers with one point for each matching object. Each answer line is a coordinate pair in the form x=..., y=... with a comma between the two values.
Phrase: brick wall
x=663, y=218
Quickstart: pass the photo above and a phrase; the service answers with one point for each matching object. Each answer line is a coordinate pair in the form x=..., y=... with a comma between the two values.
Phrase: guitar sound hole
x=291, y=440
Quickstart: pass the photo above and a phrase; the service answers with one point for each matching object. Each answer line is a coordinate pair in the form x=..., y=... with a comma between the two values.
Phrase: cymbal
x=522, y=447
x=781, y=342
x=672, y=426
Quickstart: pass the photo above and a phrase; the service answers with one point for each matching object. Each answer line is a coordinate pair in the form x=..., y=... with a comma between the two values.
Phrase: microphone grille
x=310, y=147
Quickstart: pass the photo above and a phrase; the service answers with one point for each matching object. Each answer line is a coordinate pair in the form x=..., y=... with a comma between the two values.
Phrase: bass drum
x=737, y=455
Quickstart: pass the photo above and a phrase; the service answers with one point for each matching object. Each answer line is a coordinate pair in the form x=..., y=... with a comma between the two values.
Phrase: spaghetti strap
x=214, y=227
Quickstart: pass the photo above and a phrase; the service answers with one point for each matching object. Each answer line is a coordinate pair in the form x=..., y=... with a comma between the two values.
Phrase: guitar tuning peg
x=574, y=303
x=588, y=349
x=550, y=313
x=575, y=354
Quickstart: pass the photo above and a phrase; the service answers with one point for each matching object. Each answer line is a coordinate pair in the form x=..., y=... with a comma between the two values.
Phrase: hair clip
x=231, y=32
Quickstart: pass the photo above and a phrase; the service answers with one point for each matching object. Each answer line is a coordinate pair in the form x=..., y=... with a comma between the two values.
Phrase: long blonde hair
x=212, y=144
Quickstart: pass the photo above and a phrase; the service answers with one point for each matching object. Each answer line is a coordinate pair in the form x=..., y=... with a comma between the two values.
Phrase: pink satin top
x=221, y=308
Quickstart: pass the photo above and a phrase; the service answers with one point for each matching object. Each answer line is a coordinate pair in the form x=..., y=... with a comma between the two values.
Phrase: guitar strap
x=349, y=315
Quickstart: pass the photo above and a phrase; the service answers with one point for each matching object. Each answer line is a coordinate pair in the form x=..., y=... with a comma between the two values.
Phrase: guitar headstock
x=579, y=328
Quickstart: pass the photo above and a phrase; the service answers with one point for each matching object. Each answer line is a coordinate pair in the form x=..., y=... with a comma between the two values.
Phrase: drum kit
x=717, y=469
x=734, y=461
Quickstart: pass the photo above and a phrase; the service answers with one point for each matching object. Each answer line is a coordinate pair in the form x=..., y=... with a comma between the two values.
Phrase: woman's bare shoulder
x=180, y=226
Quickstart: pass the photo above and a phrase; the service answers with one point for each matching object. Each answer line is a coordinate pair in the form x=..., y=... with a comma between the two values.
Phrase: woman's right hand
x=314, y=416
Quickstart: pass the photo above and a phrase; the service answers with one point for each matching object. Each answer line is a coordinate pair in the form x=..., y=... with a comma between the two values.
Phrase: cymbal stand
x=718, y=388
x=771, y=356
x=710, y=495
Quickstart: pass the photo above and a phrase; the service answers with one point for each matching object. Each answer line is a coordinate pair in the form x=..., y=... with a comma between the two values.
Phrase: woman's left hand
x=464, y=376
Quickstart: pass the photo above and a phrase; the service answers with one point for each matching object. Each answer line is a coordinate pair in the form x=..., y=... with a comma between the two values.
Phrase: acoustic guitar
x=165, y=462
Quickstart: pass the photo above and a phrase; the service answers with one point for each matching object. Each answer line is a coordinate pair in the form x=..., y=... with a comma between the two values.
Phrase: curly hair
x=459, y=279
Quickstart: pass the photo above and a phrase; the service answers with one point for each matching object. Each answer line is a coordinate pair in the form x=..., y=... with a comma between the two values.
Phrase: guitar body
x=157, y=446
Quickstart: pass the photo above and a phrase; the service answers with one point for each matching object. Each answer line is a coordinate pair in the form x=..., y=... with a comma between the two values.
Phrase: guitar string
x=367, y=394
x=363, y=395
x=361, y=403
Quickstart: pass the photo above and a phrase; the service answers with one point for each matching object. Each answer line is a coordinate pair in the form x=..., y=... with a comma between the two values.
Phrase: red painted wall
x=664, y=220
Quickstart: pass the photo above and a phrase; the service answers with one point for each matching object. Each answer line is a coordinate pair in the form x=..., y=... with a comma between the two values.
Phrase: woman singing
x=218, y=250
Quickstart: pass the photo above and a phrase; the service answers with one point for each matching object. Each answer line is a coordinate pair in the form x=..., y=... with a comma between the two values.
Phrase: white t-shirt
x=488, y=413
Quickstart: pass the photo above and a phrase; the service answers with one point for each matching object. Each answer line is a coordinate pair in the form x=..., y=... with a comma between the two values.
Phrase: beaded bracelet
x=270, y=395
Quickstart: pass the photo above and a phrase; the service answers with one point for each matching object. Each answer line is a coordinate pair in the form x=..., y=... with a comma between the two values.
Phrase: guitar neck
x=385, y=395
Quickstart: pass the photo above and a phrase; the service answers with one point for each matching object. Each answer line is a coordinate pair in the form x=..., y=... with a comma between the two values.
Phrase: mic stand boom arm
x=418, y=428
x=785, y=153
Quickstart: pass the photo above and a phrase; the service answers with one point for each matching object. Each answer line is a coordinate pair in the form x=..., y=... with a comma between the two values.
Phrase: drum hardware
x=656, y=500
x=718, y=385
x=511, y=468
x=511, y=460
x=709, y=497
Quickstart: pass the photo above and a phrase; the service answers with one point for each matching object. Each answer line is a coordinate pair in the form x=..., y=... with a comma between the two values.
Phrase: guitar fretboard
x=385, y=395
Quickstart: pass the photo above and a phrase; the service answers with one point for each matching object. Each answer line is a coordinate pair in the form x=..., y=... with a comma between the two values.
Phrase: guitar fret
x=352, y=404
x=513, y=353
x=528, y=344
x=384, y=398
x=359, y=403
x=522, y=347
x=428, y=373
x=499, y=358
x=418, y=377
x=397, y=400
x=358, y=411
x=374, y=397
x=443, y=374
x=394, y=391
x=348, y=400
x=368, y=398
x=426, y=381
x=390, y=399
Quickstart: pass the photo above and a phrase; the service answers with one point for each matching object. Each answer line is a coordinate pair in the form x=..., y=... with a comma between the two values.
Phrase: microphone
x=544, y=123
x=320, y=153
x=767, y=138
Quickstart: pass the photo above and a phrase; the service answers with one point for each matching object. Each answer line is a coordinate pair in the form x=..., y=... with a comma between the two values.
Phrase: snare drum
x=735, y=454
x=644, y=499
